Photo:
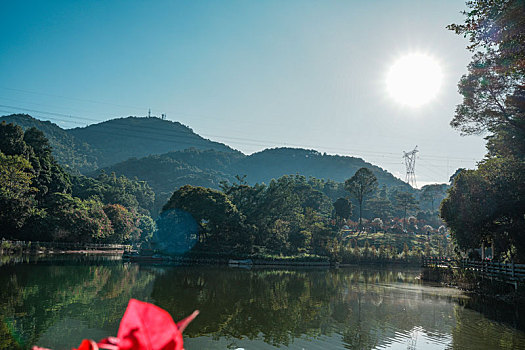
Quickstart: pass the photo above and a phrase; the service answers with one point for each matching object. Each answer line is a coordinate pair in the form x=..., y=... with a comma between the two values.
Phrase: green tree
x=36, y=201
x=70, y=219
x=123, y=223
x=16, y=193
x=12, y=140
x=493, y=101
x=433, y=193
x=493, y=88
x=361, y=186
x=343, y=208
x=115, y=190
x=50, y=177
x=288, y=216
x=379, y=207
x=323, y=237
x=463, y=209
x=147, y=227
x=405, y=202
x=219, y=219
x=486, y=205
x=38, y=142
x=291, y=202
x=456, y=173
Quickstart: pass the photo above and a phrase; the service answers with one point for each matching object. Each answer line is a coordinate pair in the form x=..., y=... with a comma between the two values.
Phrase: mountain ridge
x=136, y=147
x=73, y=154
x=141, y=137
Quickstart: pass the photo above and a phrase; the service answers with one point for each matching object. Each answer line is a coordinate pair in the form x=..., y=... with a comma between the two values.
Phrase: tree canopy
x=361, y=186
x=487, y=204
x=494, y=88
x=405, y=202
x=286, y=216
x=40, y=201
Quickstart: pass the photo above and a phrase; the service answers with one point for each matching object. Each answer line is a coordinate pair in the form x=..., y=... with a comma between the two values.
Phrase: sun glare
x=414, y=79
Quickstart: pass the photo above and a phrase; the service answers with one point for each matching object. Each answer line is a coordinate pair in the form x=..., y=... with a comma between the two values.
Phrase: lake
x=56, y=303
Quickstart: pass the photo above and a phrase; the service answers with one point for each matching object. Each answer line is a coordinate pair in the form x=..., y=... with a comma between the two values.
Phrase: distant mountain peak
x=167, y=153
x=122, y=138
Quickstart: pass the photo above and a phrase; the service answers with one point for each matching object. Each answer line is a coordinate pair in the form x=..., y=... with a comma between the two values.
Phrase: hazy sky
x=251, y=74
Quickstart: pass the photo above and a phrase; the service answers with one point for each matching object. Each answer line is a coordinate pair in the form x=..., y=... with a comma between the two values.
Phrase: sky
x=251, y=74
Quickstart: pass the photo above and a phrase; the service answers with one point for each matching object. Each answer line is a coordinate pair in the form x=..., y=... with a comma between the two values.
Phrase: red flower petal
x=148, y=327
x=87, y=345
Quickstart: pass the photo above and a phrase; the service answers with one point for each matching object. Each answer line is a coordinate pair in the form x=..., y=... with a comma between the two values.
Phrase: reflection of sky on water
x=417, y=338
x=57, y=304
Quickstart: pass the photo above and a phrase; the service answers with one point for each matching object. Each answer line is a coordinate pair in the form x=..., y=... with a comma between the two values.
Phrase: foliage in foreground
x=487, y=204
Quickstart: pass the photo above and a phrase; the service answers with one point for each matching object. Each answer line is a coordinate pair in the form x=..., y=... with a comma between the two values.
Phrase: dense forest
x=277, y=201
x=69, y=152
x=487, y=205
x=263, y=211
x=41, y=201
x=293, y=214
x=136, y=146
x=137, y=152
x=118, y=139
x=89, y=148
x=258, y=167
x=208, y=168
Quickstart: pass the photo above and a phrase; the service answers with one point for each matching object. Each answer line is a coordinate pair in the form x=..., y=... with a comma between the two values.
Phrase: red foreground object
x=144, y=326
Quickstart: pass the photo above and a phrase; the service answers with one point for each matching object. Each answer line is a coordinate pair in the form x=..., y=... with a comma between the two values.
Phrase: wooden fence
x=511, y=273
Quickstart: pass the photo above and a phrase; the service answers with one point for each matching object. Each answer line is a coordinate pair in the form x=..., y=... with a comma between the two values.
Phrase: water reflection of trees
x=58, y=305
x=473, y=331
x=278, y=306
x=35, y=297
x=476, y=327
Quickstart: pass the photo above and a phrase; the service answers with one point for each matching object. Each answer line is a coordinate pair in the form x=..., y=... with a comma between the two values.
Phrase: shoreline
x=471, y=284
x=248, y=261
x=235, y=261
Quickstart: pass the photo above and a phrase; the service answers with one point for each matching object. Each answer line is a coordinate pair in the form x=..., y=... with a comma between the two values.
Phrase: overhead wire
x=164, y=135
x=255, y=142
x=265, y=142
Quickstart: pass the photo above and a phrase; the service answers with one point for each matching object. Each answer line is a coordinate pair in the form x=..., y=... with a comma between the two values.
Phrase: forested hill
x=71, y=153
x=169, y=155
x=273, y=163
x=123, y=138
x=87, y=149
x=167, y=172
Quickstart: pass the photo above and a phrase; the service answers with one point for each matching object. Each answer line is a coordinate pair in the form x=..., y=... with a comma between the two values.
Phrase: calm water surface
x=58, y=303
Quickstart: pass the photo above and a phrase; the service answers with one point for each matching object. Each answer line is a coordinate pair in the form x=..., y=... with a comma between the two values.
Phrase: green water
x=58, y=303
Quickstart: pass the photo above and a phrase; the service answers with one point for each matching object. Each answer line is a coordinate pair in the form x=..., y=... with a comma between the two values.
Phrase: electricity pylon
x=410, y=163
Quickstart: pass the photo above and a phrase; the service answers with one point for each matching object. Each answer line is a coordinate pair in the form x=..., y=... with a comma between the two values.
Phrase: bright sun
x=414, y=79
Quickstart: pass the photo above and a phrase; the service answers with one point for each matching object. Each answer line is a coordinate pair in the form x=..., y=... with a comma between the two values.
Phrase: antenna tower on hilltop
x=410, y=163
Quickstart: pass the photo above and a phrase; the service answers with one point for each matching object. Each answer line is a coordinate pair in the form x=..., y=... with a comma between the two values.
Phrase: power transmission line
x=200, y=116
x=165, y=135
x=410, y=163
